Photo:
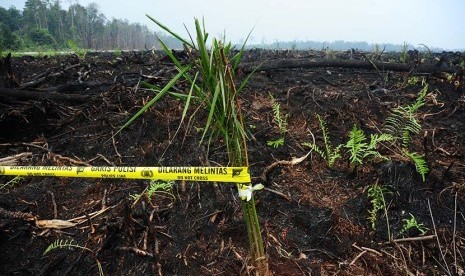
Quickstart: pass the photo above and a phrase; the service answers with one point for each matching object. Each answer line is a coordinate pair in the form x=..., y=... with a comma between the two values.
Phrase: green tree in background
x=44, y=23
x=8, y=40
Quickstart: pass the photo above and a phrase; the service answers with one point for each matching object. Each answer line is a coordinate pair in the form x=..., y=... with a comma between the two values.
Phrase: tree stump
x=7, y=79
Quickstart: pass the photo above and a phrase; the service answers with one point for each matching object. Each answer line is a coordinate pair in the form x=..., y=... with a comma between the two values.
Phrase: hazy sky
x=431, y=22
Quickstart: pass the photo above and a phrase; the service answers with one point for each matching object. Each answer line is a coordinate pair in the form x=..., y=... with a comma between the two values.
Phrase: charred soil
x=314, y=218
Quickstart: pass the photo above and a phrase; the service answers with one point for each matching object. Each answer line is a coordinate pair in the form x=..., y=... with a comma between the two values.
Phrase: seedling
x=162, y=187
x=330, y=154
x=420, y=163
x=276, y=143
x=402, y=124
x=70, y=245
x=376, y=196
x=359, y=149
x=412, y=223
x=11, y=183
x=281, y=121
x=413, y=80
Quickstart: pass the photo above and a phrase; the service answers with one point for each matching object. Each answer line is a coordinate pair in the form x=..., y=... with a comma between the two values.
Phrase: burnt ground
x=314, y=218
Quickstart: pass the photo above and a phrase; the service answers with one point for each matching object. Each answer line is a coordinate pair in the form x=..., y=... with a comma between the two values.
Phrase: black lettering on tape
x=79, y=170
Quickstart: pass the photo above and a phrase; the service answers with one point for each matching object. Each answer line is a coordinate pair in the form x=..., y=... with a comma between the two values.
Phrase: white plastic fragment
x=245, y=191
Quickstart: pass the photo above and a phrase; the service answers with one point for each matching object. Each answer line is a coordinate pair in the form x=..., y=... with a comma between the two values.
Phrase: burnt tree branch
x=23, y=95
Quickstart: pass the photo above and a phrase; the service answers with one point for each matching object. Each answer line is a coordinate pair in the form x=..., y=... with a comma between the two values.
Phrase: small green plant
x=420, y=163
x=412, y=223
x=70, y=245
x=278, y=116
x=11, y=183
x=78, y=51
x=403, y=57
x=155, y=187
x=281, y=121
x=402, y=124
x=276, y=143
x=118, y=52
x=376, y=196
x=359, y=149
x=330, y=154
x=413, y=80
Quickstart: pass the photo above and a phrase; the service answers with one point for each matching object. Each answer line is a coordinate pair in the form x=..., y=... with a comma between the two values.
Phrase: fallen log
x=9, y=94
x=276, y=64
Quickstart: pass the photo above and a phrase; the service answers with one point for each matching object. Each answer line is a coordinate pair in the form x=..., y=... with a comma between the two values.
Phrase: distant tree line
x=44, y=23
x=340, y=45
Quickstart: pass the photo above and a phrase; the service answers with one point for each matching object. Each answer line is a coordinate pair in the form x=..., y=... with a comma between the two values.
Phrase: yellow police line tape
x=216, y=174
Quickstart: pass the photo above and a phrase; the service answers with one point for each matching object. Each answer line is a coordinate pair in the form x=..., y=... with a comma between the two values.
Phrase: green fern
x=420, y=163
x=412, y=223
x=324, y=130
x=402, y=122
x=71, y=244
x=359, y=149
x=160, y=186
x=315, y=148
x=333, y=154
x=276, y=143
x=279, y=118
x=330, y=154
x=356, y=145
x=11, y=183
x=155, y=186
x=376, y=195
x=64, y=244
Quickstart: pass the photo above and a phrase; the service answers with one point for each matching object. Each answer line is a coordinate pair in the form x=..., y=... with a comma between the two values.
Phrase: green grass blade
x=170, y=54
x=237, y=58
x=169, y=31
x=246, y=80
x=188, y=101
x=157, y=90
x=156, y=98
x=210, y=114
x=205, y=64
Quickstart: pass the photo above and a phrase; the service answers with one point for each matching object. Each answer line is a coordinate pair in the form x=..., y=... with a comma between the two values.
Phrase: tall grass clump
x=210, y=73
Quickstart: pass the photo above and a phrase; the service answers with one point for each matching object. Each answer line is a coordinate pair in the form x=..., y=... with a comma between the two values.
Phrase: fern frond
x=324, y=131
x=315, y=148
x=334, y=155
x=405, y=138
x=412, y=125
x=376, y=196
x=64, y=244
x=278, y=117
x=403, y=120
x=276, y=143
x=378, y=138
x=159, y=186
x=356, y=145
x=420, y=101
x=420, y=163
